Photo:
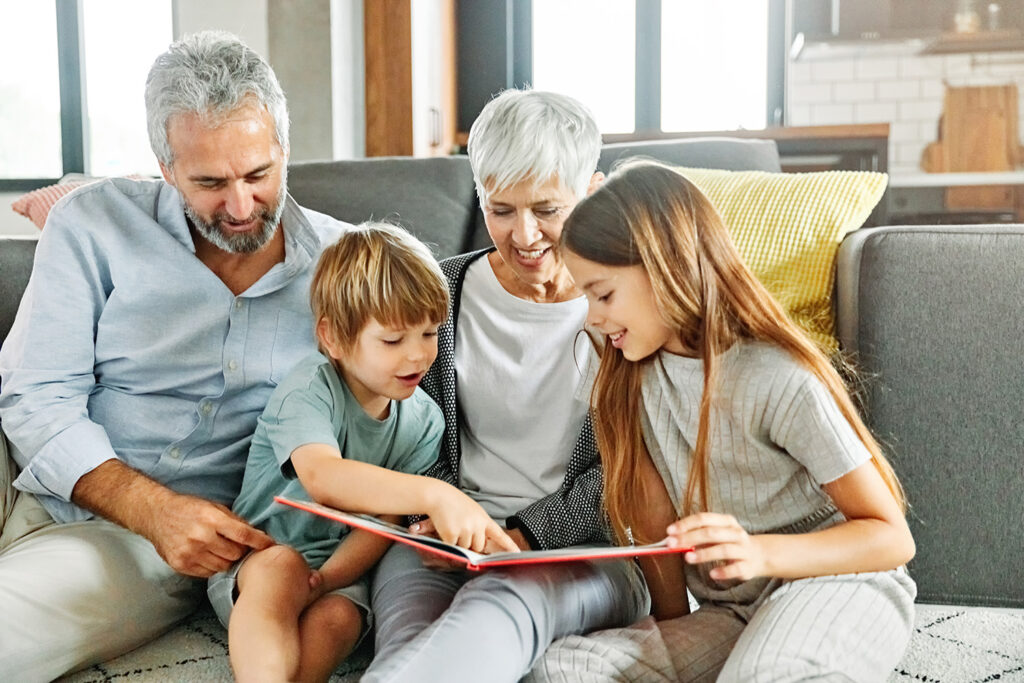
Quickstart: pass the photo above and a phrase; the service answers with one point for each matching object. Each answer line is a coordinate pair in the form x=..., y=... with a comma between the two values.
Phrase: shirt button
x=238, y=304
x=175, y=453
x=205, y=408
x=232, y=365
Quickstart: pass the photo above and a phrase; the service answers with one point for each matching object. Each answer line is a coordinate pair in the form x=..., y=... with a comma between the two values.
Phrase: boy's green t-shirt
x=314, y=405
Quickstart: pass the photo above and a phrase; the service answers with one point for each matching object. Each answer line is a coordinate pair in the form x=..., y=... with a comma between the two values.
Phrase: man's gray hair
x=532, y=134
x=211, y=74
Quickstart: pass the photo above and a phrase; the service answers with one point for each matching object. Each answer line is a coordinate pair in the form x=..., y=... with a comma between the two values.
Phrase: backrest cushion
x=788, y=226
x=435, y=198
x=730, y=154
x=16, y=254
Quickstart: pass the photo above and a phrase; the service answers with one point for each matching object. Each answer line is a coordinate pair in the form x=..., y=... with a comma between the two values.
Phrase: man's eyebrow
x=209, y=178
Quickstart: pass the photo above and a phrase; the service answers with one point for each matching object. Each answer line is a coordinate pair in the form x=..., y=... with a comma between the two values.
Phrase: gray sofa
x=932, y=317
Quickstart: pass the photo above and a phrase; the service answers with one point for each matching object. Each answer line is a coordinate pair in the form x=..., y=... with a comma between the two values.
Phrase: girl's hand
x=719, y=538
x=458, y=519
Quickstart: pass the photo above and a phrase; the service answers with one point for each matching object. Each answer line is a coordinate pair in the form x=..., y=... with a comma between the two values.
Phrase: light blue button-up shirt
x=127, y=346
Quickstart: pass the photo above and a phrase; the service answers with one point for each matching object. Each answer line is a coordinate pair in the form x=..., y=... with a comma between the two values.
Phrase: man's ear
x=168, y=174
x=595, y=182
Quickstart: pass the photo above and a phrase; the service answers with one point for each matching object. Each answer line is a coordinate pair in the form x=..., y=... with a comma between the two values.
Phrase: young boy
x=347, y=428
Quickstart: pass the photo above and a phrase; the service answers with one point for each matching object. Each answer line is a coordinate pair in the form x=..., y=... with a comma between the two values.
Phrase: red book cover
x=473, y=560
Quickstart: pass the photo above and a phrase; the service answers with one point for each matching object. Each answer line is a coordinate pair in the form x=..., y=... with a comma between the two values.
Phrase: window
x=586, y=49
x=29, y=91
x=646, y=68
x=714, y=62
x=75, y=102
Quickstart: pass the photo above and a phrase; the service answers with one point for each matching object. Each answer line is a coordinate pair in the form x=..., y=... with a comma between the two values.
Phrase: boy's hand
x=458, y=519
x=719, y=538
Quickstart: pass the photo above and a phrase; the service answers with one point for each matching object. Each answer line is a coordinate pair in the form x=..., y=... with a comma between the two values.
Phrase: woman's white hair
x=536, y=135
x=210, y=73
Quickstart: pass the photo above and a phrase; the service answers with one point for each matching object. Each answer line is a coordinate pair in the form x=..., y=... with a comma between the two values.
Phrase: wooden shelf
x=982, y=41
x=972, y=179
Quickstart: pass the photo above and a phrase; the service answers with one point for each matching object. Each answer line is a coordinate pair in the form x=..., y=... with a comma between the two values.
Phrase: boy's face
x=385, y=363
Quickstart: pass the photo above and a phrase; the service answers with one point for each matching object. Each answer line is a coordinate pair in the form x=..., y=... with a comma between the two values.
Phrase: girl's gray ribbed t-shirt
x=776, y=435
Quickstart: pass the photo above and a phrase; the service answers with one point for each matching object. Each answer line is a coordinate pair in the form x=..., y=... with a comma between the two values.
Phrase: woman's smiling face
x=525, y=222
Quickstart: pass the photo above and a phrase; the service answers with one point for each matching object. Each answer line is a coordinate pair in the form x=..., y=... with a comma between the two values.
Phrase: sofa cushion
x=788, y=226
x=934, y=318
x=434, y=198
x=730, y=154
x=16, y=254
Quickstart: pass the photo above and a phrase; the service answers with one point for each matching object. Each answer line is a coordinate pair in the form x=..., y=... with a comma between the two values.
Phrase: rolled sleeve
x=46, y=366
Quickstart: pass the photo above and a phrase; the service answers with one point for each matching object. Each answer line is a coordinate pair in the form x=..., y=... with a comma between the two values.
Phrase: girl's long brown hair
x=649, y=215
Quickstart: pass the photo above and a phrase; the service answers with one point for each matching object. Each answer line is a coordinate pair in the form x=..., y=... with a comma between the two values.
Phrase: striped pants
x=851, y=627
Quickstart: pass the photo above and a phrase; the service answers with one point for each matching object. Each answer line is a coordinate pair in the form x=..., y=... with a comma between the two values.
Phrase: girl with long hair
x=722, y=425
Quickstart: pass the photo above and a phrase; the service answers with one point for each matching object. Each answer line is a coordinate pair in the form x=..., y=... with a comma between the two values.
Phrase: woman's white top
x=518, y=365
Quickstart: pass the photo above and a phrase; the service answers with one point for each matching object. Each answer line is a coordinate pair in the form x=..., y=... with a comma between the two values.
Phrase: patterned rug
x=950, y=645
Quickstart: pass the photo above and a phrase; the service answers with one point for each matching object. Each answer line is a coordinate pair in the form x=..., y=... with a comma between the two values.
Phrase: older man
x=159, y=317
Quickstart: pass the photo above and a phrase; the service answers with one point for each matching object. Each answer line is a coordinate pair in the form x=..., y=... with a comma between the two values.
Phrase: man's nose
x=239, y=203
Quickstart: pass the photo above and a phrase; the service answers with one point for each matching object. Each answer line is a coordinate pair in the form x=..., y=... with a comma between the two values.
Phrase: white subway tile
x=876, y=69
x=827, y=114
x=909, y=152
x=920, y=110
x=957, y=65
x=898, y=169
x=932, y=88
x=799, y=72
x=810, y=93
x=1009, y=69
x=904, y=131
x=928, y=130
x=838, y=70
x=799, y=115
x=854, y=92
x=920, y=67
x=875, y=112
x=1007, y=58
x=890, y=91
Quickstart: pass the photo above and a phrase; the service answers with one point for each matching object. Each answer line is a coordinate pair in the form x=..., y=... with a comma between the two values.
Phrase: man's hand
x=194, y=536
x=200, y=538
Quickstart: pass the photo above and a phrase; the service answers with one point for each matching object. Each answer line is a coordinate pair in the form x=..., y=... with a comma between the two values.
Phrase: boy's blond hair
x=376, y=271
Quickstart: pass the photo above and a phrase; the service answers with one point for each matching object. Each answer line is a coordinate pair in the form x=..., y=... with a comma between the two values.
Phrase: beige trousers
x=75, y=594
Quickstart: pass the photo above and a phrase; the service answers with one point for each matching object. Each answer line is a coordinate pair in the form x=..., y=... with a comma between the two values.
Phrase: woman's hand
x=719, y=538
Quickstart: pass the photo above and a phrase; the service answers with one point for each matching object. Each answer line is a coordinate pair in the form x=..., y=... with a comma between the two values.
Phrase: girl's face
x=621, y=305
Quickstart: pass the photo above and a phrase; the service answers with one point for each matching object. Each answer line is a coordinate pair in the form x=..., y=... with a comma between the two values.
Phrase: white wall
x=245, y=18
x=905, y=91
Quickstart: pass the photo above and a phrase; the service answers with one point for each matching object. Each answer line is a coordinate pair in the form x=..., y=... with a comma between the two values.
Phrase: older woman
x=518, y=438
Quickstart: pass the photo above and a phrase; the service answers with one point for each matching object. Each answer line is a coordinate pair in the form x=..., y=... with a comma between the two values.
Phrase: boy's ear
x=323, y=333
x=595, y=182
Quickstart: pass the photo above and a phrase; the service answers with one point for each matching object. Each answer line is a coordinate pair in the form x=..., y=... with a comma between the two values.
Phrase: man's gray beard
x=244, y=242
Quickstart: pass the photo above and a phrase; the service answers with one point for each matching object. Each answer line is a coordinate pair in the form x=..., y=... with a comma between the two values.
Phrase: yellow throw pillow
x=788, y=226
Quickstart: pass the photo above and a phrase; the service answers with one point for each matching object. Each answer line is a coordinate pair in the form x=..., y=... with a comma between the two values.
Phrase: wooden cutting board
x=980, y=133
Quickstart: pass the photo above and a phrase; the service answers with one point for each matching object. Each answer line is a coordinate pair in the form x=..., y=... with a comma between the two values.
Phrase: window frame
x=70, y=67
x=506, y=25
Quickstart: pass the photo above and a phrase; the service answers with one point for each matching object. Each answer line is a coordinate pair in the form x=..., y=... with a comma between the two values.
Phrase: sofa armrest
x=934, y=319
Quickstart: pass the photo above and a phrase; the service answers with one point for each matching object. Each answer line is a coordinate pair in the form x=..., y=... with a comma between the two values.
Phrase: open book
x=473, y=560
